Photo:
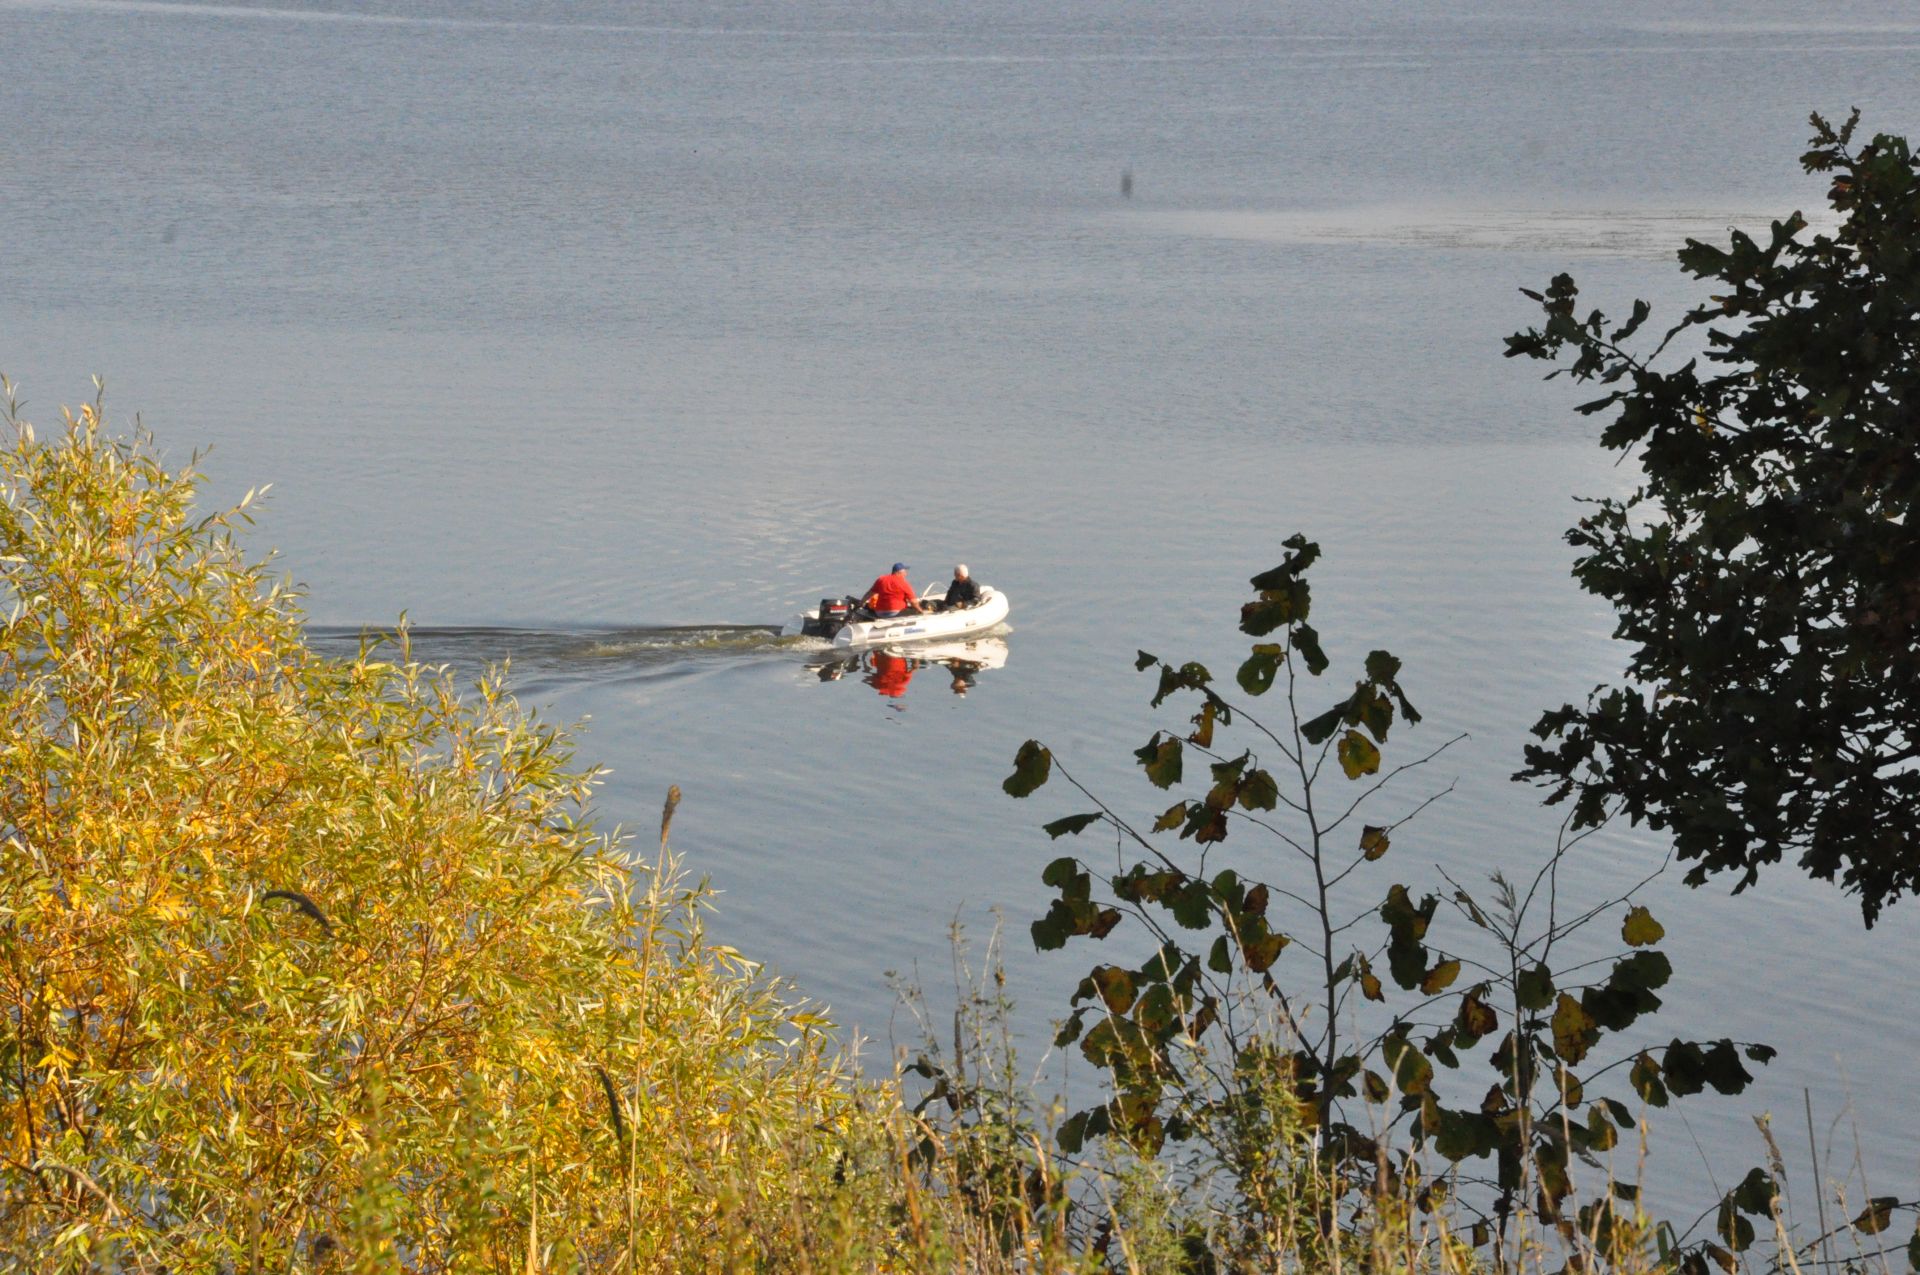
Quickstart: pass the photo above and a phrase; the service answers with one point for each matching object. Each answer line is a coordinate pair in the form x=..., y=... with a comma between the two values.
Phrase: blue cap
x=899, y=566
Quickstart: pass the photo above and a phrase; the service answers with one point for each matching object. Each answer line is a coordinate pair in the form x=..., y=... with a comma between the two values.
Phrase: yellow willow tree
x=315, y=964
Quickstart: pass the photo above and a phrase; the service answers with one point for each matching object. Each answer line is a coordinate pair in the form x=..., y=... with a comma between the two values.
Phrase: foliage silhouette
x=1764, y=571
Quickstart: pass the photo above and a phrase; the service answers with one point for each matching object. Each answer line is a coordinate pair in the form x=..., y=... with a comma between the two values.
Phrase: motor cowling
x=830, y=619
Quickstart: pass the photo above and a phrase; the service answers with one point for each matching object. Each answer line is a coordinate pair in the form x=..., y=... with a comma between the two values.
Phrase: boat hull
x=914, y=628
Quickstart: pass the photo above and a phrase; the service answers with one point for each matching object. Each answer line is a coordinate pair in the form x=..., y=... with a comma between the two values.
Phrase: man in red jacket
x=891, y=594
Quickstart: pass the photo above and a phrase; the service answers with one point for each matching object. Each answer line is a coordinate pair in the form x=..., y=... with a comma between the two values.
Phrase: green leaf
x=1464, y=1134
x=1723, y=1071
x=1877, y=1216
x=1304, y=553
x=1263, y=951
x=1161, y=759
x=1358, y=756
x=1050, y=932
x=1031, y=767
x=1060, y=873
x=1260, y=668
x=1188, y=677
x=1411, y=1071
x=1382, y=667
x=1534, y=989
x=1071, y=824
x=1271, y=610
x=1259, y=791
x=1646, y=1080
x=1755, y=1194
x=1307, y=643
x=1231, y=769
x=1206, y=823
x=1640, y=929
x=1685, y=1067
x=1601, y=1135
x=1220, y=957
x=1155, y=1011
x=1191, y=905
x=1145, y=662
x=1319, y=729
x=1642, y=971
x=1072, y=1134
x=1733, y=1228
x=1373, y=711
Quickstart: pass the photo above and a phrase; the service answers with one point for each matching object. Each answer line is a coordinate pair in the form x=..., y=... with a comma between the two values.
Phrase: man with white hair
x=963, y=592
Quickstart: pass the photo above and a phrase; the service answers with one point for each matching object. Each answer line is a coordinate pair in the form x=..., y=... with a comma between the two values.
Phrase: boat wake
x=560, y=649
x=552, y=659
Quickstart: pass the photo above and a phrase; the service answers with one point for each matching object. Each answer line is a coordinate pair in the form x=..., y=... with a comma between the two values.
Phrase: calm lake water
x=586, y=332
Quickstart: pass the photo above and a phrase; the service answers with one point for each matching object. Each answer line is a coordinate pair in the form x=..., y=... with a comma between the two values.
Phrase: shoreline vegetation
x=322, y=965
x=319, y=965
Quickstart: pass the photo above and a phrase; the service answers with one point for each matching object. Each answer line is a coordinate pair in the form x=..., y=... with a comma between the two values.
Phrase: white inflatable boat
x=841, y=622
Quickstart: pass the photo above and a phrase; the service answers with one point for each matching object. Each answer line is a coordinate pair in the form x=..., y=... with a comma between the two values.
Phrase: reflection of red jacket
x=890, y=675
x=893, y=594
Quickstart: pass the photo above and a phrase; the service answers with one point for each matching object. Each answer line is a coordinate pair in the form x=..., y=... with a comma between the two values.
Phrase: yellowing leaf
x=1115, y=986
x=1640, y=929
x=1574, y=1030
x=1358, y=756
x=1440, y=977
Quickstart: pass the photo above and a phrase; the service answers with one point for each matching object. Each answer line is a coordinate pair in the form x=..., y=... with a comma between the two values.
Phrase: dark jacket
x=963, y=593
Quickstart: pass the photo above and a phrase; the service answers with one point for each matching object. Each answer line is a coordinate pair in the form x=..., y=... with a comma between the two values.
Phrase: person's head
x=960, y=572
x=899, y=568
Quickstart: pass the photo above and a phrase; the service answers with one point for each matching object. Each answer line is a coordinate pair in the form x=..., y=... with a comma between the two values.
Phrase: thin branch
x=1387, y=778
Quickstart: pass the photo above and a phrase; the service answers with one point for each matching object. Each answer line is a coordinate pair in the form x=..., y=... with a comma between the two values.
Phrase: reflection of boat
x=889, y=670
x=989, y=652
x=891, y=673
x=844, y=625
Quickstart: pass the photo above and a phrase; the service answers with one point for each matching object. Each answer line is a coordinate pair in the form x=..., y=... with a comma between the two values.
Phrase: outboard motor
x=833, y=616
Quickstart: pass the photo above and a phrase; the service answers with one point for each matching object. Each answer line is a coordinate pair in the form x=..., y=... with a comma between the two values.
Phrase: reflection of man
x=963, y=592
x=891, y=594
x=890, y=675
x=963, y=675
